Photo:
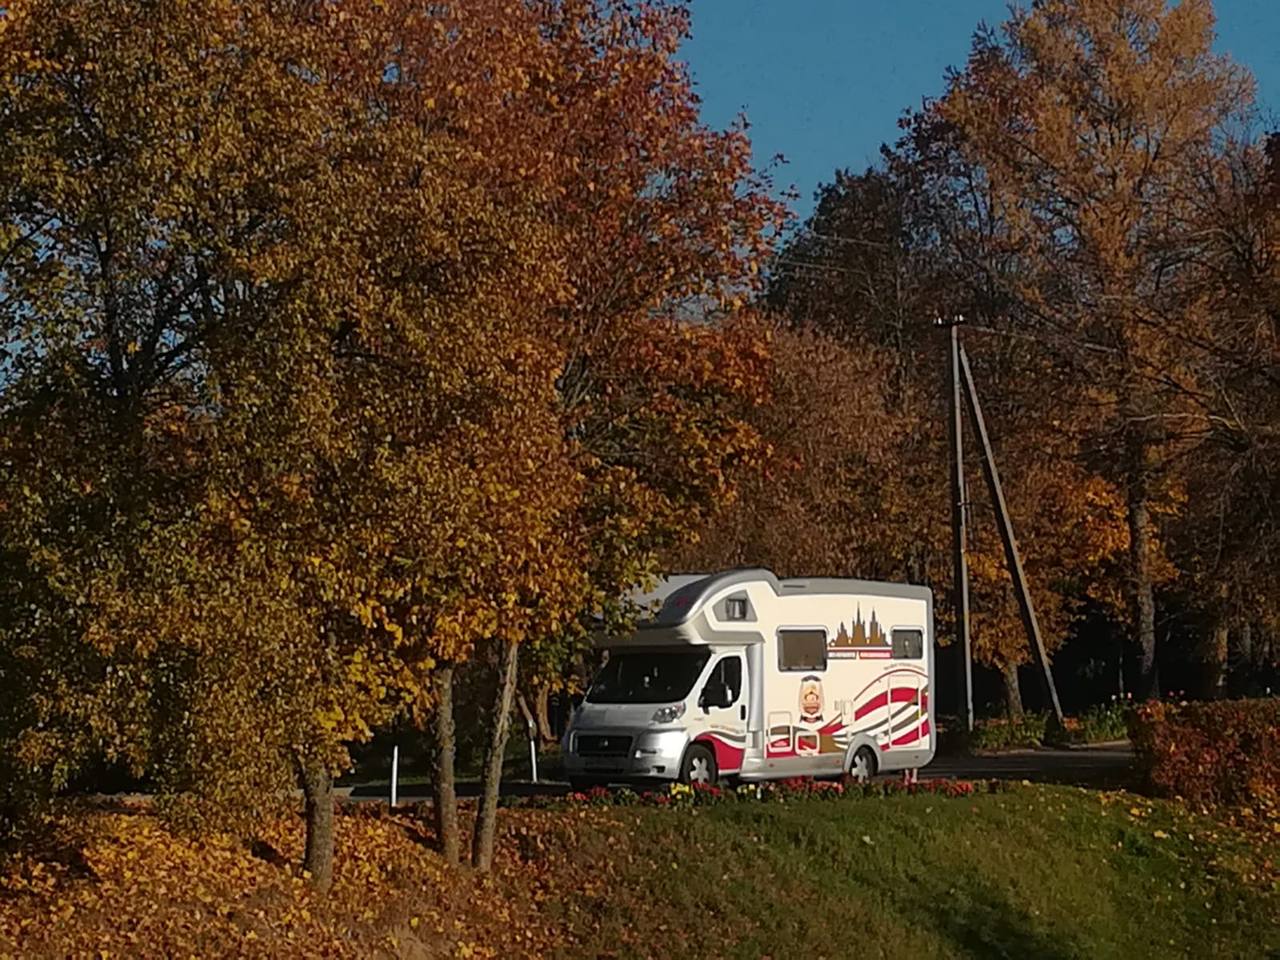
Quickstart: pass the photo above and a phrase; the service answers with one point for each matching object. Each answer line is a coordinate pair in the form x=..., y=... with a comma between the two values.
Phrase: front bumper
x=653, y=755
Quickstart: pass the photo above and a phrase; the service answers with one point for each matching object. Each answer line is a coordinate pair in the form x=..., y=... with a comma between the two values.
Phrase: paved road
x=1107, y=766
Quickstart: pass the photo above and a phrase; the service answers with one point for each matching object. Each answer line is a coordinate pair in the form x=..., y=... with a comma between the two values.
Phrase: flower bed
x=679, y=795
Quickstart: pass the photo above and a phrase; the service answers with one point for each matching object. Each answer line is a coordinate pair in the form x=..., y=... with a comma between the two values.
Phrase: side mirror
x=715, y=694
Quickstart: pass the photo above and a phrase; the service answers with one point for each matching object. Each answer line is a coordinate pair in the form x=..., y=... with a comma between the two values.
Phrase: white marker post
x=533, y=752
x=532, y=727
x=395, y=773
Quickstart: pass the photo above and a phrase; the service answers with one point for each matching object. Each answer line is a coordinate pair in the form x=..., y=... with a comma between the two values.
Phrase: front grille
x=603, y=745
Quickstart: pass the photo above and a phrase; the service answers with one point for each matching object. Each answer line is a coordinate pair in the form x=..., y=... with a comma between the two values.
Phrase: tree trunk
x=1215, y=672
x=1144, y=602
x=443, y=751
x=317, y=790
x=542, y=715
x=1012, y=691
x=487, y=815
x=1240, y=660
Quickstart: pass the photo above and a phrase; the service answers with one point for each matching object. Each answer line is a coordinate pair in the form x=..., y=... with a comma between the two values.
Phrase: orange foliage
x=389, y=353
x=119, y=885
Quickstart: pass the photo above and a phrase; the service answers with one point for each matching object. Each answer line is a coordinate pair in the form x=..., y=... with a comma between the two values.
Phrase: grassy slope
x=1041, y=872
x=1045, y=872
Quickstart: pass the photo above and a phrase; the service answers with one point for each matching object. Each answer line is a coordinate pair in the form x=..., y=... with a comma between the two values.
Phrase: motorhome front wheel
x=699, y=766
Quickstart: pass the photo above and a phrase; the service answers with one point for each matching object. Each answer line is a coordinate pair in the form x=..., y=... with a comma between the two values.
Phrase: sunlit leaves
x=346, y=340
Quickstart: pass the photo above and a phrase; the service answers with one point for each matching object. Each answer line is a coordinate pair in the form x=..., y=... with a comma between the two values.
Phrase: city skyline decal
x=865, y=638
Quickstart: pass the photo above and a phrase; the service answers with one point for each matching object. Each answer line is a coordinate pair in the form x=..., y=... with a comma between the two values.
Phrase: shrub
x=1103, y=722
x=1098, y=724
x=1001, y=733
x=1219, y=753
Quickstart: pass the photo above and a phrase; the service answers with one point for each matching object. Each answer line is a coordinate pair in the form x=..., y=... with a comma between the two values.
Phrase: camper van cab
x=742, y=675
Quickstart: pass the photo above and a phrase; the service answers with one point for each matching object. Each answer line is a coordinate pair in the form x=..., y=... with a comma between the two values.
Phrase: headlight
x=668, y=714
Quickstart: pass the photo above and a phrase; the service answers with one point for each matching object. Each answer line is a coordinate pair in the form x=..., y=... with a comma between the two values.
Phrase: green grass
x=1040, y=872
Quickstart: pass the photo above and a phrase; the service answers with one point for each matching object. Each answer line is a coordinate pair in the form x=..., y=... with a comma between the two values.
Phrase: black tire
x=864, y=765
x=699, y=766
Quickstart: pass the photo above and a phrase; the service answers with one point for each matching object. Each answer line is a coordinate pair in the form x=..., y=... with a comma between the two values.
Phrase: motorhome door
x=721, y=717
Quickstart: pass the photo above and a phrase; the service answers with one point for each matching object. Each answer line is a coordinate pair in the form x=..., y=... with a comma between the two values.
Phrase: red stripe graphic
x=896, y=695
x=894, y=672
x=728, y=756
x=875, y=703
x=911, y=736
x=832, y=728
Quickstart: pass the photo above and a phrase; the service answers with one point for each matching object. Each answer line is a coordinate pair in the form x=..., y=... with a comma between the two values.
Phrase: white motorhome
x=743, y=675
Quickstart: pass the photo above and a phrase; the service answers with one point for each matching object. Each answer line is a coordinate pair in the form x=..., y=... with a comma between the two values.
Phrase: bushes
x=1099, y=724
x=1001, y=733
x=1219, y=753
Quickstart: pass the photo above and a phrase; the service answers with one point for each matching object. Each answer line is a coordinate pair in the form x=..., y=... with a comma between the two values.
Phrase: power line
x=854, y=241
x=806, y=265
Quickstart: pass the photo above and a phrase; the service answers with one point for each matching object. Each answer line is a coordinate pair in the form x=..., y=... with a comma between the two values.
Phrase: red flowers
x=770, y=791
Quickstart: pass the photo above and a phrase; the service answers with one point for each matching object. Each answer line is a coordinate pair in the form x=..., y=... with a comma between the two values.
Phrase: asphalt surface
x=1100, y=765
x=1105, y=766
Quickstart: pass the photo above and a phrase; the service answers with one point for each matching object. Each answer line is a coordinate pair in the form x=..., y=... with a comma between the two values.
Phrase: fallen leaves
x=122, y=885
x=134, y=889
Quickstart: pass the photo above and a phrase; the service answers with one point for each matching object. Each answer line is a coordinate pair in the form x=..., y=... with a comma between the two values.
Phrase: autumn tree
x=855, y=485
x=1225, y=539
x=834, y=494
x=129, y=236
x=390, y=314
x=1092, y=123
x=885, y=254
x=583, y=110
x=307, y=391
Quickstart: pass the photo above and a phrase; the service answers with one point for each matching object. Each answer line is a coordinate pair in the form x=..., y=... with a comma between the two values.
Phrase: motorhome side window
x=802, y=650
x=908, y=644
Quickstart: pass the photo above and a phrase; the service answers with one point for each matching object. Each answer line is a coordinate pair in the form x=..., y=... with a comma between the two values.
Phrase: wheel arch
x=727, y=753
x=857, y=743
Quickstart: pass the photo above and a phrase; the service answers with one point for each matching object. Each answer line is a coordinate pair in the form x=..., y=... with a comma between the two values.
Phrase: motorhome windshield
x=648, y=676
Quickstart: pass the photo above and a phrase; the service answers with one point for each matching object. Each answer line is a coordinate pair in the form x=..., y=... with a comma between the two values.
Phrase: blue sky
x=823, y=82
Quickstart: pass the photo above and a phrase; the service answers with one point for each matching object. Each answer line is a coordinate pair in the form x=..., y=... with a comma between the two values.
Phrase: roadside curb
x=1100, y=745
x=1041, y=748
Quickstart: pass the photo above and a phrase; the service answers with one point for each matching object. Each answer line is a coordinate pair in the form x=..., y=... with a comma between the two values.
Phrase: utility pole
x=960, y=590
x=1012, y=556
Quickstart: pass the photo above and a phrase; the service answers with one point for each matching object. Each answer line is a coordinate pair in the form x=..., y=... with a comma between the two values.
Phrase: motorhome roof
x=684, y=602
x=881, y=588
x=653, y=599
